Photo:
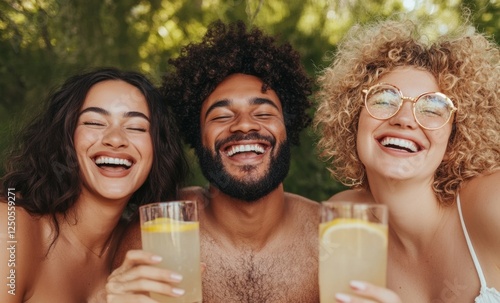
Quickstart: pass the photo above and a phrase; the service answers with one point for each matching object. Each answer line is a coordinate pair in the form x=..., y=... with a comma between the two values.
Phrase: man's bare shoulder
x=303, y=206
x=299, y=199
x=195, y=193
x=192, y=193
x=353, y=195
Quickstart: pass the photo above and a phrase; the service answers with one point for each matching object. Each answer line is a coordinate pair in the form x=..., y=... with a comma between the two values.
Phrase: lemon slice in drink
x=344, y=228
x=168, y=225
x=353, y=234
x=351, y=249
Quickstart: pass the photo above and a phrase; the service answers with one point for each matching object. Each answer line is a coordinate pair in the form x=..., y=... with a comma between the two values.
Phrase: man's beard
x=246, y=190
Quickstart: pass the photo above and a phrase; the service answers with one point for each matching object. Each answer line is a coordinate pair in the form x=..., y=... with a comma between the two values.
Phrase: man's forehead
x=240, y=81
x=241, y=88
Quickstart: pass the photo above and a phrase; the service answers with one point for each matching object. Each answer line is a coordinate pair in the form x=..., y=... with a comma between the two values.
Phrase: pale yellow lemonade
x=350, y=249
x=178, y=242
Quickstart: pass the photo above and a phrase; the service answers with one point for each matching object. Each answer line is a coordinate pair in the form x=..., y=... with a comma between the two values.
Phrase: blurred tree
x=43, y=42
x=486, y=16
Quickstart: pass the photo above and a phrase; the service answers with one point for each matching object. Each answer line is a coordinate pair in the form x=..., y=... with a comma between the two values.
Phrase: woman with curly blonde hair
x=414, y=123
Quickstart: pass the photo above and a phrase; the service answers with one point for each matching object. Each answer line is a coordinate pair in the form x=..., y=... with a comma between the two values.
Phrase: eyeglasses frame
x=413, y=100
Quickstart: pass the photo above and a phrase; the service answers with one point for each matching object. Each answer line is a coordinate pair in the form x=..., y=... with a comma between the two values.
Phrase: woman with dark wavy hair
x=414, y=123
x=105, y=144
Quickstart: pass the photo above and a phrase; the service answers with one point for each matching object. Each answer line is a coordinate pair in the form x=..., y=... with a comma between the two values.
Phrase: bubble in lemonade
x=350, y=249
x=179, y=244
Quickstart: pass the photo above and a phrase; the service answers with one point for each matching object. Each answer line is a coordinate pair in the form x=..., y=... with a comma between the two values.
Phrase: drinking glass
x=352, y=246
x=171, y=230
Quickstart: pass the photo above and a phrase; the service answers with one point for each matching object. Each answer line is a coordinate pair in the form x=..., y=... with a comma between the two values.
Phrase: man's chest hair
x=288, y=274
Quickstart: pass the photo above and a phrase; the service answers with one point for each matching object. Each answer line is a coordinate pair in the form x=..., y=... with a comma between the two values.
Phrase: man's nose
x=245, y=124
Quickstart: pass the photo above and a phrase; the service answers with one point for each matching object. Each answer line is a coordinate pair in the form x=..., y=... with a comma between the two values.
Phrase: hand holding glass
x=353, y=246
x=171, y=230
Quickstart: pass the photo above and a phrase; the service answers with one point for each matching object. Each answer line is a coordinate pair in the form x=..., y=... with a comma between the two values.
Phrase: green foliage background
x=42, y=42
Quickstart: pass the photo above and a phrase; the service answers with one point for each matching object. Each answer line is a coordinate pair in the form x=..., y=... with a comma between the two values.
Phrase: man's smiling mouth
x=239, y=144
x=244, y=148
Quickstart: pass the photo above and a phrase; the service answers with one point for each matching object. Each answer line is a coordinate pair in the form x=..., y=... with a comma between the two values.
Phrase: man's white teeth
x=115, y=161
x=245, y=148
x=406, y=144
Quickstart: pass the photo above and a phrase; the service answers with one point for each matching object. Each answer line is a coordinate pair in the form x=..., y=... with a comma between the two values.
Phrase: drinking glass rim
x=351, y=203
x=160, y=203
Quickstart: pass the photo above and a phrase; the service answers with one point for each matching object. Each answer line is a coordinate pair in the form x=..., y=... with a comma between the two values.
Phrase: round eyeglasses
x=431, y=110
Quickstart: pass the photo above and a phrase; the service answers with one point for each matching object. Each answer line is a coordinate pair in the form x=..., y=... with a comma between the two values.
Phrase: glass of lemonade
x=171, y=230
x=352, y=246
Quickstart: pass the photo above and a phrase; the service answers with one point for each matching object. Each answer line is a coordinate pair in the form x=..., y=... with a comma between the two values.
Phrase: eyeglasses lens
x=432, y=110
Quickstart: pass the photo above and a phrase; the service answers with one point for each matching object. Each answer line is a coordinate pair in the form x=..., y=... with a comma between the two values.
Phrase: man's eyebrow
x=253, y=101
x=259, y=101
x=220, y=103
x=102, y=111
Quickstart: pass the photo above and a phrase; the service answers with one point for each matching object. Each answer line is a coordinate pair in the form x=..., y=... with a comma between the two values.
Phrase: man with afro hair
x=240, y=98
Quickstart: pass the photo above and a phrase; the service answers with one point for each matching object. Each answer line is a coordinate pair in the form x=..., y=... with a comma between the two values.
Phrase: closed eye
x=139, y=129
x=93, y=123
x=431, y=112
x=264, y=116
x=218, y=118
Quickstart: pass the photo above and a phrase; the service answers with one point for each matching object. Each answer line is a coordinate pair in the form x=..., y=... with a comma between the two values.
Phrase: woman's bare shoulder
x=484, y=187
x=23, y=235
x=480, y=197
x=480, y=201
x=21, y=224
